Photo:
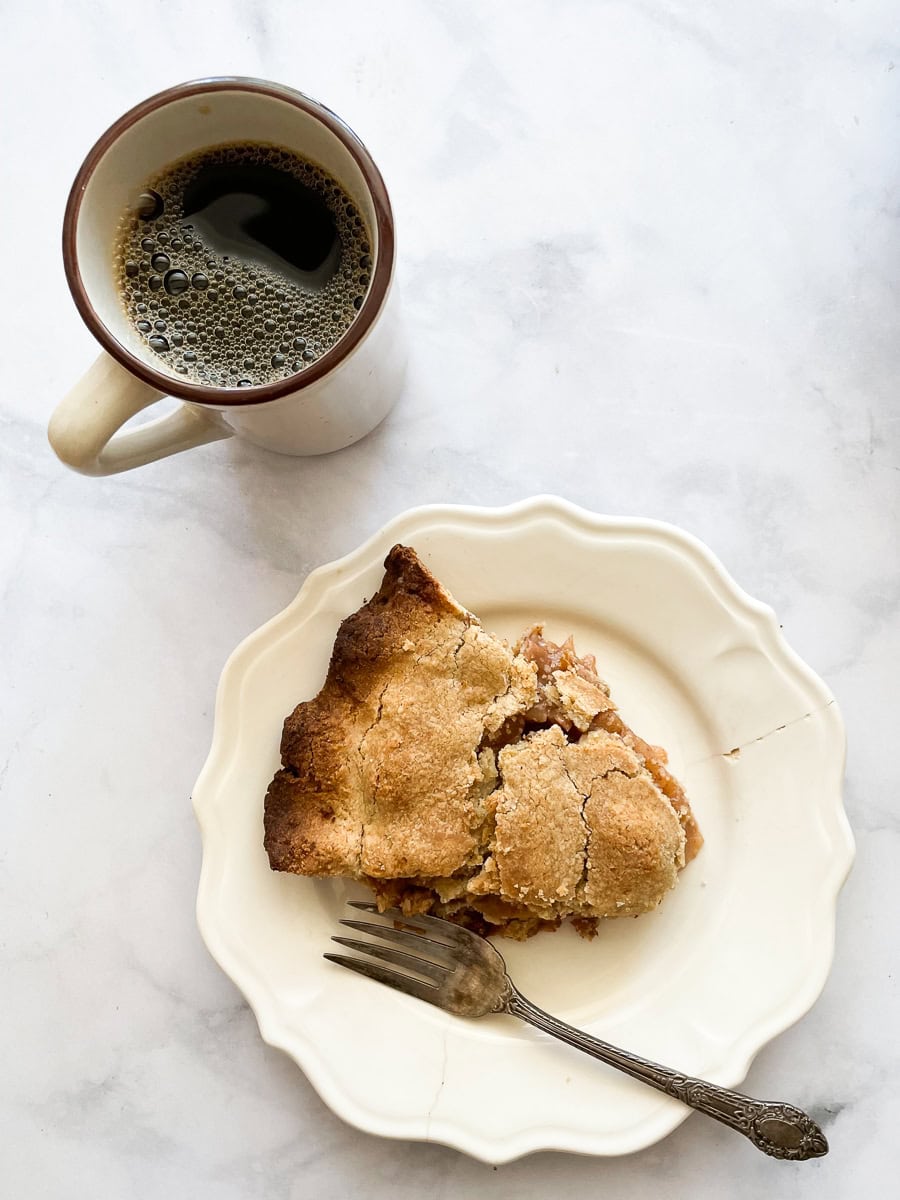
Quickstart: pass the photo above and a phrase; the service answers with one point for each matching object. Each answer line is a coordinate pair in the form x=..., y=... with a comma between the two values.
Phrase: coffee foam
x=215, y=319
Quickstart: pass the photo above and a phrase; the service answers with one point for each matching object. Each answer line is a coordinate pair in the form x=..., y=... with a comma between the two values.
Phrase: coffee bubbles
x=242, y=265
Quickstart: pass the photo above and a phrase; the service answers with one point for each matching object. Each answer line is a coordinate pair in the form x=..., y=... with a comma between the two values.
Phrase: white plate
x=737, y=952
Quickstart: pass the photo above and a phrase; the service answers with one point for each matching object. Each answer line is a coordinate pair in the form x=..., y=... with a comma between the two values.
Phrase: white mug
x=332, y=403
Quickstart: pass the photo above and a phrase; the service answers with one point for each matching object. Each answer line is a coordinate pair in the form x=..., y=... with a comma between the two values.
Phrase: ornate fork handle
x=780, y=1130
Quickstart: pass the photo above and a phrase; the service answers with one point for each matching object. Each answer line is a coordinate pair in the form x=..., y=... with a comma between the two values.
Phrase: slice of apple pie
x=494, y=786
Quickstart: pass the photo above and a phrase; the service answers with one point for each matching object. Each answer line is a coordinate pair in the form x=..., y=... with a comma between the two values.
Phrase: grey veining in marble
x=650, y=257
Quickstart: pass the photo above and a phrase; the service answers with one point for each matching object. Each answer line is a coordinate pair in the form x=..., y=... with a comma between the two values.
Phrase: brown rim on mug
x=200, y=393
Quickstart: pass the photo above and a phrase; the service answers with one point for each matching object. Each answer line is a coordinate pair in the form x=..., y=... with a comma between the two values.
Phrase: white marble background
x=650, y=255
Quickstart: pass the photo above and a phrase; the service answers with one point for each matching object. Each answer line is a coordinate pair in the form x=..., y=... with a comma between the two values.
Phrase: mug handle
x=83, y=428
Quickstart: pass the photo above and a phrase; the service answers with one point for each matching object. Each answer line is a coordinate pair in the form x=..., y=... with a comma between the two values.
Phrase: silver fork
x=464, y=974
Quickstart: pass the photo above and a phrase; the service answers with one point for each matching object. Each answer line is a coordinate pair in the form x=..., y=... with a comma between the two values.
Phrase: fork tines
x=412, y=938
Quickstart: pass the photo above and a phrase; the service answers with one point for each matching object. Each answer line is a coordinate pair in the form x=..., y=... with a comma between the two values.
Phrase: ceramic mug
x=332, y=403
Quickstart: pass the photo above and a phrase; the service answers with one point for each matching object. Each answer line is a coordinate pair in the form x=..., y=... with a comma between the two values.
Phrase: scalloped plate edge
x=304, y=1052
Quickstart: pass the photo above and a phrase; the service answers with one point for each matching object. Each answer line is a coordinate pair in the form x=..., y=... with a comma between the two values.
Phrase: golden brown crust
x=635, y=842
x=418, y=768
x=581, y=829
x=539, y=839
x=381, y=774
x=574, y=695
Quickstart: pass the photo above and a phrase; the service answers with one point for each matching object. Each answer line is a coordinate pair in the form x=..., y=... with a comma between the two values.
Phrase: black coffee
x=242, y=264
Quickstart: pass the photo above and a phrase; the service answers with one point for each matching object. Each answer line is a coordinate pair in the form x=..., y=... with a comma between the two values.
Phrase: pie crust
x=495, y=786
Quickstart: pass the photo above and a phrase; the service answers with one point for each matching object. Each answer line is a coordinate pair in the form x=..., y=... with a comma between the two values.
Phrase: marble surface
x=649, y=258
